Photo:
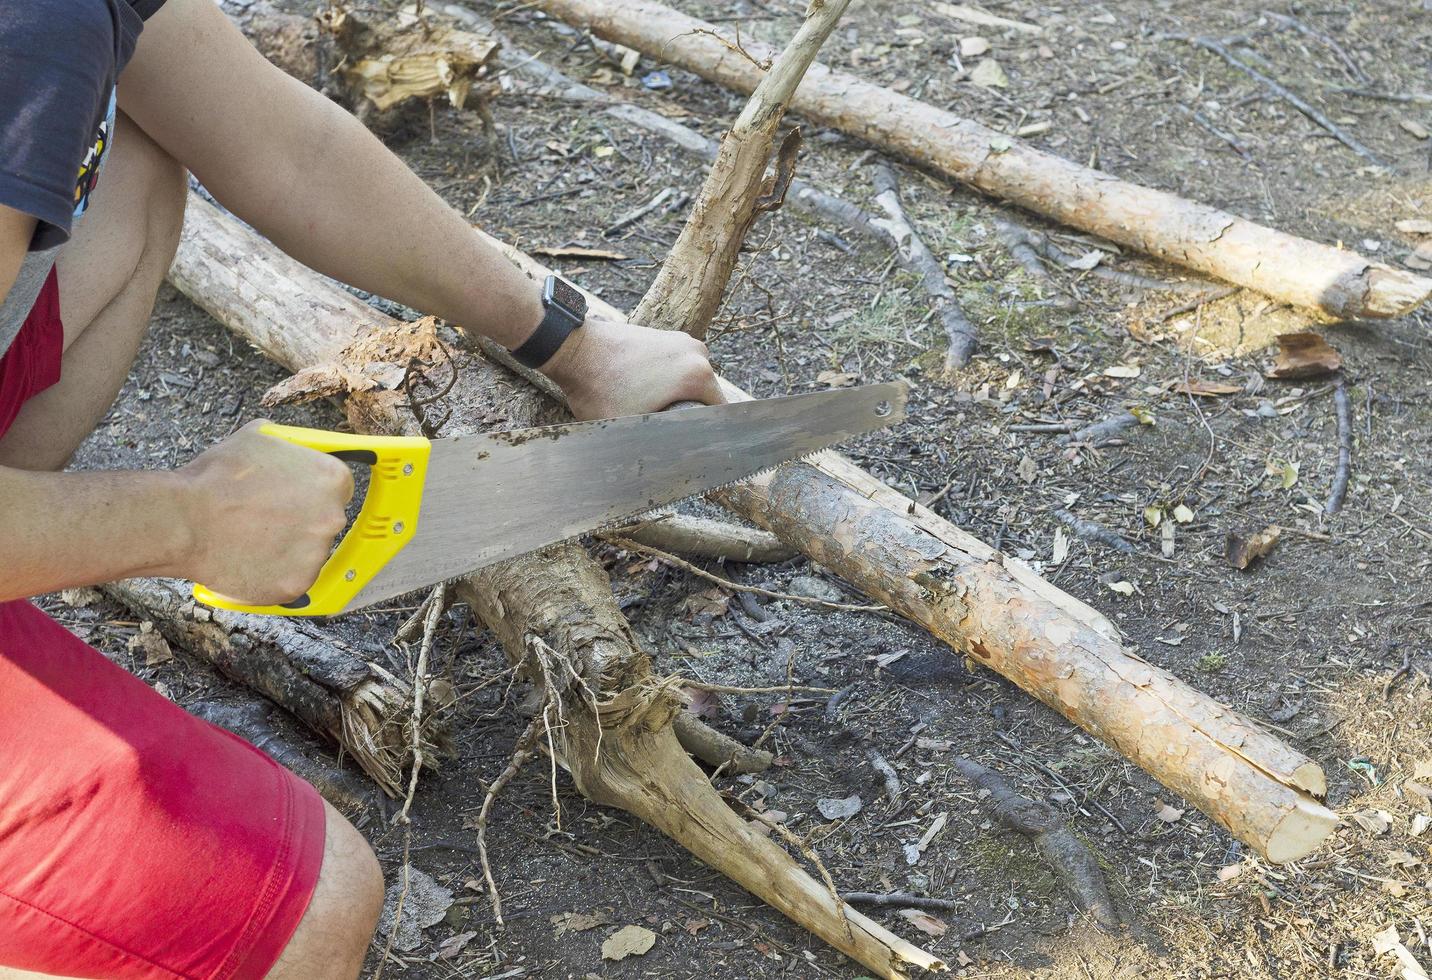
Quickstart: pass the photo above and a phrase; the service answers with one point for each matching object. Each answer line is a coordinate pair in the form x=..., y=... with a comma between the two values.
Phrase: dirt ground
x=1326, y=640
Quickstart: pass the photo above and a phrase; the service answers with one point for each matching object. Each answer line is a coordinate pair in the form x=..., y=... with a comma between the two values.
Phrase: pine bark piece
x=702, y=537
x=1293, y=270
x=293, y=664
x=618, y=740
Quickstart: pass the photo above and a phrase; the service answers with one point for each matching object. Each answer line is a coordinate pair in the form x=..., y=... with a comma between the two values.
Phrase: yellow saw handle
x=385, y=523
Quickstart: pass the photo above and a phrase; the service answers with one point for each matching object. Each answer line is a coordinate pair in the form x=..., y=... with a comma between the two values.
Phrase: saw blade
x=493, y=496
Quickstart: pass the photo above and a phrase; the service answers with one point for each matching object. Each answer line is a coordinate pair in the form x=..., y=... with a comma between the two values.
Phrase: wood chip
x=1415, y=226
x=1241, y=549
x=1207, y=389
x=925, y=922
x=1304, y=355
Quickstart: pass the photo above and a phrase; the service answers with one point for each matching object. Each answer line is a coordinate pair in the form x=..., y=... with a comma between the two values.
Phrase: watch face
x=567, y=296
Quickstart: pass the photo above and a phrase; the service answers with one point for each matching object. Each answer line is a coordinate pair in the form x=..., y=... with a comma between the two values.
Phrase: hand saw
x=437, y=509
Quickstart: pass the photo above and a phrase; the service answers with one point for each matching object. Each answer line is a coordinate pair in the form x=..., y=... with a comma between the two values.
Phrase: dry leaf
x=1182, y=514
x=925, y=922
x=1123, y=371
x=578, y=921
x=836, y=379
x=79, y=598
x=988, y=74
x=934, y=744
x=628, y=941
x=1304, y=355
x=709, y=602
x=702, y=703
x=1375, y=822
x=1241, y=549
x=1206, y=389
x=1122, y=587
x=1285, y=470
x=973, y=47
x=603, y=151
x=1420, y=823
x=1028, y=470
x=1060, y=550
x=1086, y=261
x=1170, y=814
x=842, y=809
x=155, y=647
x=452, y=945
x=1229, y=872
x=1388, y=941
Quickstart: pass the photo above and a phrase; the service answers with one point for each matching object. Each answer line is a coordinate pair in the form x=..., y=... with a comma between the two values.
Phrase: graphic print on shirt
x=94, y=159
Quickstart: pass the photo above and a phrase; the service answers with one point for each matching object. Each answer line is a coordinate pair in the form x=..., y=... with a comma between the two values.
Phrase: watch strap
x=557, y=325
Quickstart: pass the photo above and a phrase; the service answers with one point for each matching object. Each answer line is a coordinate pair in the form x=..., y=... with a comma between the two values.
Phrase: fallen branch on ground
x=1294, y=270
x=915, y=257
x=363, y=709
x=1066, y=854
x=1282, y=92
x=1090, y=531
x=1344, y=467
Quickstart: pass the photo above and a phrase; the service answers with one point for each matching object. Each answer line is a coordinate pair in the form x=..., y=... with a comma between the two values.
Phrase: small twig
x=1343, y=404
x=1101, y=430
x=397, y=907
x=1354, y=70
x=1090, y=531
x=728, y=689
x=1402, y=672
x=1019, y=241
x=1413, y=98
x=810, y=855
x=735, y=46
x=1043, y=427
x=520, y=755
x=717, y=749
x=1292, y=98
x=832, y=706
x=632, y=217
x=900, y=900
x=887, y=772
x=725, y=583
x=1227, y=137
x=1065, y=853
x=1212, y=296
x=436, y=605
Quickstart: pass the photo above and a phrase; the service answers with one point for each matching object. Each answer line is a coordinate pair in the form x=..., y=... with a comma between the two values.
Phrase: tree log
x=364, y=710
x=998, y=612
x=1337, y=282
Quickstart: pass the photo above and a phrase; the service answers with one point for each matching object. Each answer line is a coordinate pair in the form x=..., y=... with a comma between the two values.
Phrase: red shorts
x=137, y=842
x=32, y=363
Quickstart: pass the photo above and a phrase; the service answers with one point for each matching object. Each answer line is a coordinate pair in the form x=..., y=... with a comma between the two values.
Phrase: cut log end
x=1300, y=833
x=1309, y=777
x=1393, y=292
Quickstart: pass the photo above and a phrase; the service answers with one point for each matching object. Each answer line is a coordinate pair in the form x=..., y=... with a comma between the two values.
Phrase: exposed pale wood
x=1294, y=270
x=702, y=537
x=367, y=712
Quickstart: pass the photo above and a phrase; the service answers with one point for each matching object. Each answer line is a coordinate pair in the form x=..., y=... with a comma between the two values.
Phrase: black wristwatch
x=565, y=310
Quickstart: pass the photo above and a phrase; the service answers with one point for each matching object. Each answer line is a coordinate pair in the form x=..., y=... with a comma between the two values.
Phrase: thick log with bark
x=363, y=709
x=1338, y=282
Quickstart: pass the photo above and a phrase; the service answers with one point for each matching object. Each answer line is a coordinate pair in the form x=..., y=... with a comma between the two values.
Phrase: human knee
x=356, y=871
x=167, y=194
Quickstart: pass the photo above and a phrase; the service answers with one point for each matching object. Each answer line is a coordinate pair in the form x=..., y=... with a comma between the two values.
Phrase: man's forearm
x=310, y=177
x=67, y=529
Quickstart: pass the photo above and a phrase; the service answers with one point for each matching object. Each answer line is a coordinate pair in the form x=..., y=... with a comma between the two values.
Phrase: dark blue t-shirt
x=59, y=60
